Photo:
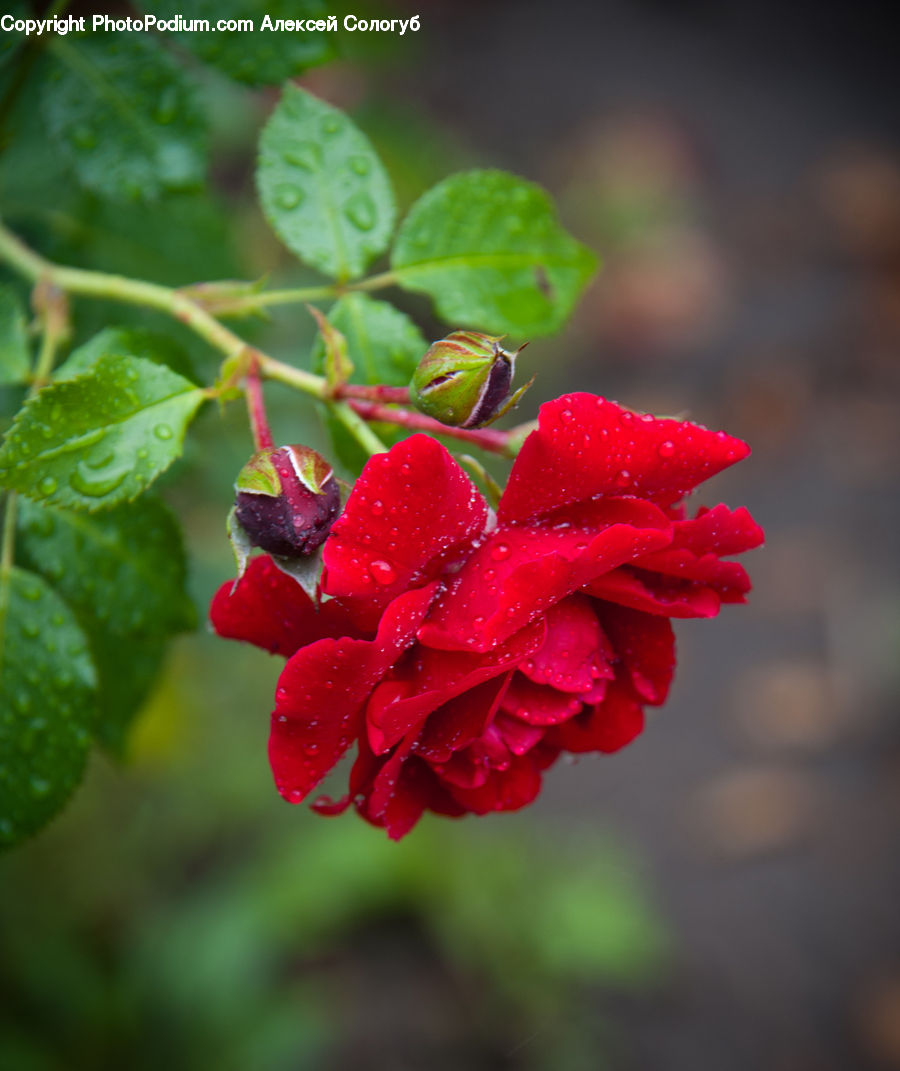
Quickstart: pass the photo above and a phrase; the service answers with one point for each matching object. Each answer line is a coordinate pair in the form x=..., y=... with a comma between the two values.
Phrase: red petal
x=268, y=608
x=720, y=531
x=401, y=791
x=504, y=790
x=537, y=704
x=410, y=512
x=587, y=446
x=521, y=571
x=517, y=736
x=646, y=645
x=696, y=546
x=654, y=593
x=606, y=727
x=456, y=724
x=575, y=653
x=322, y=690
x=426, y=678
x=729, y=580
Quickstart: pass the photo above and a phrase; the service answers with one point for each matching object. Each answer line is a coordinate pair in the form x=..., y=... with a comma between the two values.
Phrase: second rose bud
x=464, y=380
x=287, y=500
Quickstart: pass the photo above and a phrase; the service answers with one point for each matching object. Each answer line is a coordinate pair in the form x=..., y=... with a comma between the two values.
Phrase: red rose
x=463, y=653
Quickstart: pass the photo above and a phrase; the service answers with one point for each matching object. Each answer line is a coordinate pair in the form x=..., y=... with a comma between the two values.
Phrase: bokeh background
x=723, y=894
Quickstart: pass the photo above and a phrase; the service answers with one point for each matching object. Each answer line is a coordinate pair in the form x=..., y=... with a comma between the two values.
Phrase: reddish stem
x=486, y=438
x=256, y=407
x=377, y=393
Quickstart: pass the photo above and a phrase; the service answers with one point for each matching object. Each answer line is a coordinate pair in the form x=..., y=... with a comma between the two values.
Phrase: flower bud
x=464, y=379
x=287, y=500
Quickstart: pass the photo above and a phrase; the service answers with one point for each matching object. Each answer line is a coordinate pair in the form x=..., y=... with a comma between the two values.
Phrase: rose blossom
x=463, y=653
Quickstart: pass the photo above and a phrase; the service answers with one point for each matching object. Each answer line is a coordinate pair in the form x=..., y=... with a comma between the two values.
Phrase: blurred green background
x=722, y=894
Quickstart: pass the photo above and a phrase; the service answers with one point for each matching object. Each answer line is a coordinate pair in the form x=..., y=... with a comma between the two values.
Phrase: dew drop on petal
x=382, y=572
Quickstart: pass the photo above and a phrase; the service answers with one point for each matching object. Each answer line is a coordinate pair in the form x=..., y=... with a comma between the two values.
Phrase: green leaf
x=99, y=439
x=125, y=342
x=487, y=246
x=123, y=694
x=119, y=107
x=122, y=572
x=15, y=361
x=322, y=187
x=384, y=344
x=46, y=704
x=257, y=57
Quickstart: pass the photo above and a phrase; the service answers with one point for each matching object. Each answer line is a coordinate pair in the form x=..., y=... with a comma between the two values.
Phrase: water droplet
x=163, y=431
x=377, y=507
x=47, y=486
x=360, y=165
x=39, y=786
x=361, y=211
x=99, y=460
x=330, y=125
x=288, y=197
x=305, y=154
x=95, y=484
x=382, y=572
x=500, y=551
x=623, y=478
x=666, y=449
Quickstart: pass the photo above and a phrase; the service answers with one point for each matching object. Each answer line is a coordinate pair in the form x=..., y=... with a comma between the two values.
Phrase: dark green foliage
x=47, y=708
x=122, y=572
x=122, y=112
x=258, y=57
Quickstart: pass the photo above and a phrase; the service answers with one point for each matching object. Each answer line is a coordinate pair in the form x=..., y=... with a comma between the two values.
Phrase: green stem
x=358, y=428
x=293, y=377
x=118, y=288
x=280, y=297
x=375, y=282
x=297, y=295
x=9, y=537
x=186, y=311
x=45, y=360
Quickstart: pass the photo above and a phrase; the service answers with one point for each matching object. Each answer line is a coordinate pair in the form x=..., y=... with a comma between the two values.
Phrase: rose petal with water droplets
x=575, y=653
x=606, y=727
x=645, y=643
x=428, y=678
x=654, y=593
x=269, y=609
x=575, y=457
x=409, y=511
x=321, y=692
x=545, y=564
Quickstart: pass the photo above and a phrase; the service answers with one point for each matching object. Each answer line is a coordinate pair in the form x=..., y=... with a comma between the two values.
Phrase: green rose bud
x=287, y=499
x=464, y=380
